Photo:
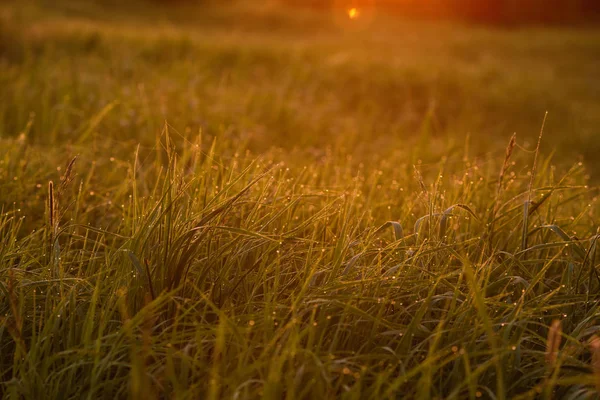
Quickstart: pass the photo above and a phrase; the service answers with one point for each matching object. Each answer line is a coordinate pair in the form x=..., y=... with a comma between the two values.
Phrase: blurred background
x=304, y=75
x=489, y=11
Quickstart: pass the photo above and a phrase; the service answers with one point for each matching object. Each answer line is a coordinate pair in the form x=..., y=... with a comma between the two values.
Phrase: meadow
x=253, y=201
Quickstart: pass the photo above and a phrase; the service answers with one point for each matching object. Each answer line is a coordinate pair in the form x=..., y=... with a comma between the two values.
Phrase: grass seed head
x=51, y=206
x=553, y=343
x=595, y=350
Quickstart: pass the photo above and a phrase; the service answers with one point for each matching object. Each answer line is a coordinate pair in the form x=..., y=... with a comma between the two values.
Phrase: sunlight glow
x=353, y=13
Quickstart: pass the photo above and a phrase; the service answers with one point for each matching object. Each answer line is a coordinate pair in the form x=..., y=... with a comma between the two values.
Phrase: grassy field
x=254, y=202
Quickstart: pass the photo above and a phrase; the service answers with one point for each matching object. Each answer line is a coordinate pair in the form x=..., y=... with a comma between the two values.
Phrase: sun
x=353, y=13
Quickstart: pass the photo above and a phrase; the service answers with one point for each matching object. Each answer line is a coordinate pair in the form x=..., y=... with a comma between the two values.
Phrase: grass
x=250, y=202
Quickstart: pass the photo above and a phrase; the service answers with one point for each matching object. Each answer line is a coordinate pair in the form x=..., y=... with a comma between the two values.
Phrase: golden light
x=353, y=13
